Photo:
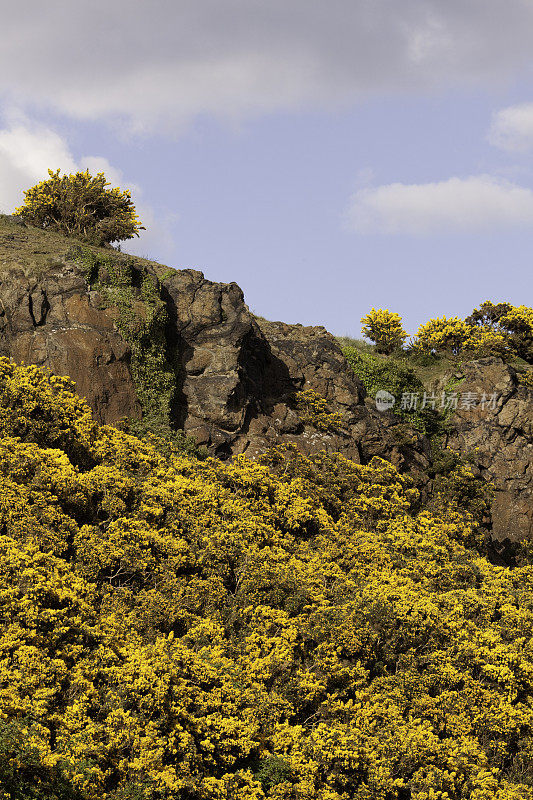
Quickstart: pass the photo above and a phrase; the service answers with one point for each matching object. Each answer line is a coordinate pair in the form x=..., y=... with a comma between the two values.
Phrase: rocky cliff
x=121, y=327
x=236, y=377
x=497, y=434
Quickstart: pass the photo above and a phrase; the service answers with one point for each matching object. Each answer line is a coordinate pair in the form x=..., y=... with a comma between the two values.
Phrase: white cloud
x=512, y=128
x=470, y=204
x=28, y=150
x=158, y=65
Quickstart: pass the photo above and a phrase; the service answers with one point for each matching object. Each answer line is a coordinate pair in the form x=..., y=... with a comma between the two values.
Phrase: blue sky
x=328, y=157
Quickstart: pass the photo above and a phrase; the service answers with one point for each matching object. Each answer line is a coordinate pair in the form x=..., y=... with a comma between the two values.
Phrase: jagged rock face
x=500, y=442
x=236, y=376
x=239, y=375
x=55, y=322
x=209, y=327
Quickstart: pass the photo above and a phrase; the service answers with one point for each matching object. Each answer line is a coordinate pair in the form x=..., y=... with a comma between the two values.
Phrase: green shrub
x=272, y=771
x=383, y=374
x=163, y=438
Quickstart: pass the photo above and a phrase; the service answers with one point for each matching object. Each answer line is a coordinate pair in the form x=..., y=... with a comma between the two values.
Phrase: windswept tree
x=81, y=205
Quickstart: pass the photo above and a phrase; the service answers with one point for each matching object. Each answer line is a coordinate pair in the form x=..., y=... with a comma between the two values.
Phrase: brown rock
x=54, y=321
x=500, y=441
x=236, y=375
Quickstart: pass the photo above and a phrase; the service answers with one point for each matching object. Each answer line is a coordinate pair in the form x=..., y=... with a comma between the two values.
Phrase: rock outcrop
x=54, y=322
x=497, y=434
x=237, y=377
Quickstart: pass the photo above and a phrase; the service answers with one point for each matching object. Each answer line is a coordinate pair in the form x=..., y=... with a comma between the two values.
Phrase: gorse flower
x=81, y=205
x=289, y=628
x=384, y=327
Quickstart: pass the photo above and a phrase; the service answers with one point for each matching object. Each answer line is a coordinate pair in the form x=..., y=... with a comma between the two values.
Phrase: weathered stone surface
x=500, y=441
x=240, y=374
x=297, y=358
x=209, y=328
x=54, y=322
x=237, y=375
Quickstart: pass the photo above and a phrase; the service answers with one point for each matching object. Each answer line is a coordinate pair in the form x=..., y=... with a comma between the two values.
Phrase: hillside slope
x=175, y=629
x=160, y=350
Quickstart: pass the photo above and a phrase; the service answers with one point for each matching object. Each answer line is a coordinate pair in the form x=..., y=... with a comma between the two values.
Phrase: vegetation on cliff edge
x=81, y=205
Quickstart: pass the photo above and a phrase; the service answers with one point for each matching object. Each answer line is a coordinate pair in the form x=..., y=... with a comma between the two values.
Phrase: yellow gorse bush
x=454, y=335
x=289, y=629
x=518, y=321
x=314, y=410
x=385, y=328
x=493, y=329
x=81, y=205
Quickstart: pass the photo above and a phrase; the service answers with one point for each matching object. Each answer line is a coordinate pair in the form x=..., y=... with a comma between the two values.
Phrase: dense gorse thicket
x=492, y=329
x=297, y=628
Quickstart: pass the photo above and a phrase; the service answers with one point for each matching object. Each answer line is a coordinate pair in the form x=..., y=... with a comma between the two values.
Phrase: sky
x=329, y=156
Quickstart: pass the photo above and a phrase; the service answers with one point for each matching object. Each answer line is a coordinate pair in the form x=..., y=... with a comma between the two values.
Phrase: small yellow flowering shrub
x=526, y=378
x=174, y=629
x=314, y=410
x=384, y=328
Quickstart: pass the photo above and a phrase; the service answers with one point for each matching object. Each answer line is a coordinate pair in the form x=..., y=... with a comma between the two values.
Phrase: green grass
x=36, y=251
x=358, y=344
x=432, y=371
